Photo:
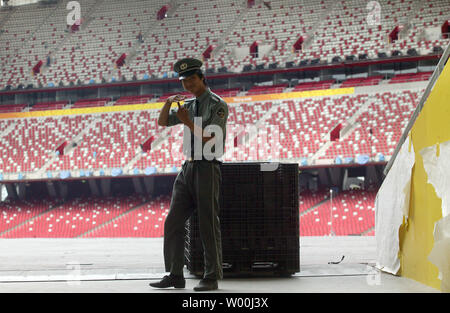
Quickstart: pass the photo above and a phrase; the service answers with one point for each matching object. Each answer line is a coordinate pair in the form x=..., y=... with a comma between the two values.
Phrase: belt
x=191, y=160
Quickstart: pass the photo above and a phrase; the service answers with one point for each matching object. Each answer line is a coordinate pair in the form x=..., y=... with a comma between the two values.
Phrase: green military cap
x=187, y=67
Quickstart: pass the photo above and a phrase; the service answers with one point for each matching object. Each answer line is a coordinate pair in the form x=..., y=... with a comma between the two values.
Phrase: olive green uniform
x=196, y=187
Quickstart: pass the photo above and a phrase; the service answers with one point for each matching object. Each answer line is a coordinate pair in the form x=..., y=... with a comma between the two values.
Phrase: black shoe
x=206, y=284
x=170, y=281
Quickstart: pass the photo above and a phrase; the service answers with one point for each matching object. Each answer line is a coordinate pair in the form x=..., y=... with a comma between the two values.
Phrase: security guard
x=197, y=185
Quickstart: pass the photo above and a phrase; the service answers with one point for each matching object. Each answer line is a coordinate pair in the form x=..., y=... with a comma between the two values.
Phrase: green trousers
x=195, y=188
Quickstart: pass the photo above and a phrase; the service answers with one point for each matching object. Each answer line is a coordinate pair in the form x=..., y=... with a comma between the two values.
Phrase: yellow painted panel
x=416, y=237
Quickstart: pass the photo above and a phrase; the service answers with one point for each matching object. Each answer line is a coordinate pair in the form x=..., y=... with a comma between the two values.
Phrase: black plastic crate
x=259, y=221
x=250, y=262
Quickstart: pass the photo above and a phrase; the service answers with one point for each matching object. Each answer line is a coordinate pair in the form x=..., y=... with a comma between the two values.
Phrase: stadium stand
x=53, y=105
x=128, y=41
x=352, y=211
x=257, y=90
x=85, y=103
x=20, y=153
x=326, y=84
x=410, y=77
x=167, y=95
x=227, y=92
x=379, y=127
x=333, y=29
x=72, y=218
x=12, y=108
x=304, y=122
x=18, y=212
x=133, y=99
x=112, y=140
x=349, y=213
x=146, y=220
x=137, y=216
x=368, y=81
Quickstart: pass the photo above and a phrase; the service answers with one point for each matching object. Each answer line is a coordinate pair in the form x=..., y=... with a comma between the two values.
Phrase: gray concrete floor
x=124, y=265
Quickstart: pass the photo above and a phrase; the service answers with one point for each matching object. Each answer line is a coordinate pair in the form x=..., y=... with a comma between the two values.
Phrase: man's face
x=193, y=84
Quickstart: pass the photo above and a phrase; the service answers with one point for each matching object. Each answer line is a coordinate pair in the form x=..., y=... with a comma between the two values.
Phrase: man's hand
x=175, y=98
x=183, y=115
x=164, y=114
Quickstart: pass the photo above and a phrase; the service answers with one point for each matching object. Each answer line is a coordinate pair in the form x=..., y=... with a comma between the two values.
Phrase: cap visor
x=187, y=74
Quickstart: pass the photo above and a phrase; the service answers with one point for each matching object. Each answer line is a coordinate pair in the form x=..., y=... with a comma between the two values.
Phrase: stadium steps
x=323, y=149
x=305, y=212
x=87, y=19
x=7, y=17
x=112, y=220
x=259, y=122
x=36, y=30
x=76, y=139
x=7, y=130
x=29, y=41
x=137, y=47
x=406, y=20
x=310, y=36
x=160, y=139
x=364, y=233
x=349, y=126
x=51, y=208
x=138, y=154
x=223, y=41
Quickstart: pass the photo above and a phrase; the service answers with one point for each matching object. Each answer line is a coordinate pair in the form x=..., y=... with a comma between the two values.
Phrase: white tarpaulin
x=438, y=171
x=437, y=167
x=391, y=205
x=440, y=254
